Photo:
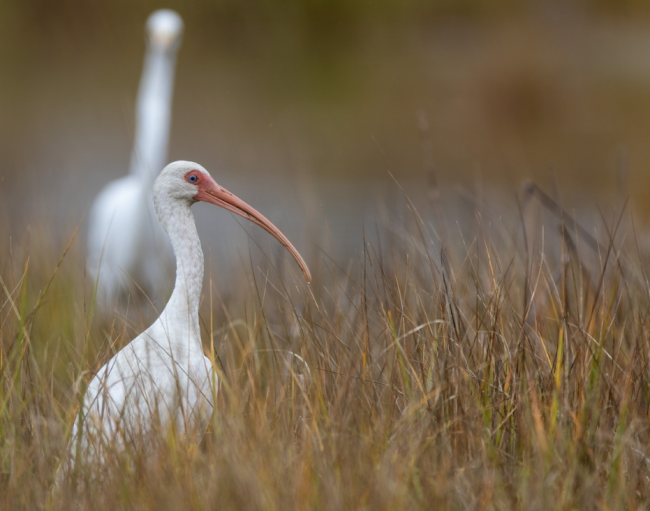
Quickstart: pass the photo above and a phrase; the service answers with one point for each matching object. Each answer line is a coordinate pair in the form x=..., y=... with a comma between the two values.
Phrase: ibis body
x=162, y=380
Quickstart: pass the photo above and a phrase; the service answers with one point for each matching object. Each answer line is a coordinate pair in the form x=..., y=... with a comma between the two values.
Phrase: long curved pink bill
x=221, y=197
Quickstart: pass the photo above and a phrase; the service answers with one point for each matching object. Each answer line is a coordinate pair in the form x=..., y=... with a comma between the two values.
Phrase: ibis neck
x=153, y=114
x=183, y=306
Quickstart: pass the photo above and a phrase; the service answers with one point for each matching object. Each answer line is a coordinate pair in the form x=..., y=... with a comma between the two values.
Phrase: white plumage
x=162, y=379
x=125, y=242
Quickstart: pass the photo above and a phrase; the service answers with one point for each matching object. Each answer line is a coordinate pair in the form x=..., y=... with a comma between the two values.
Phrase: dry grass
x=507, y=370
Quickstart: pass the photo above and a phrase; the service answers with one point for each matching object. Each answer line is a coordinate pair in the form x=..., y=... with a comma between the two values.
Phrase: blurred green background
x=329, y=93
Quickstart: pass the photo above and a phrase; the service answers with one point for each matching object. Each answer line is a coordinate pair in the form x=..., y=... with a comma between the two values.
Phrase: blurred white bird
x=125, y=242
x=162, y=380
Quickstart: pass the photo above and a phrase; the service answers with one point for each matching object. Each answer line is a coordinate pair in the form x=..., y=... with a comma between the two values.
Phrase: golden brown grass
x=507, y=369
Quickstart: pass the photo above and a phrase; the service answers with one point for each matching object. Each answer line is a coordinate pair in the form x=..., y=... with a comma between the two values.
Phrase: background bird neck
x=153, y=114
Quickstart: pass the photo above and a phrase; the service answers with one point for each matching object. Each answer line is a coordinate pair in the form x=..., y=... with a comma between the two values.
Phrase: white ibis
x=125, y=242
x=162, y=379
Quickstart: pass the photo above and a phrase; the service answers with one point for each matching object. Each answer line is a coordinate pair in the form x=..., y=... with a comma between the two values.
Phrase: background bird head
x=165, y=30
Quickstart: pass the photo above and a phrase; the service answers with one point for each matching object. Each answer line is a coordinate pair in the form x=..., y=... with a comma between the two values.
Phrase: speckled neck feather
x=182, y=309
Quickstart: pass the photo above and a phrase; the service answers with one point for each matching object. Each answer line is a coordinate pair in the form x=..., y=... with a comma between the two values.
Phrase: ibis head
x=185, y=182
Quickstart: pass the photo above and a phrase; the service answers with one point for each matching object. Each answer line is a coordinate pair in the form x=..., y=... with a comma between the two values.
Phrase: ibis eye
x=193, y=178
